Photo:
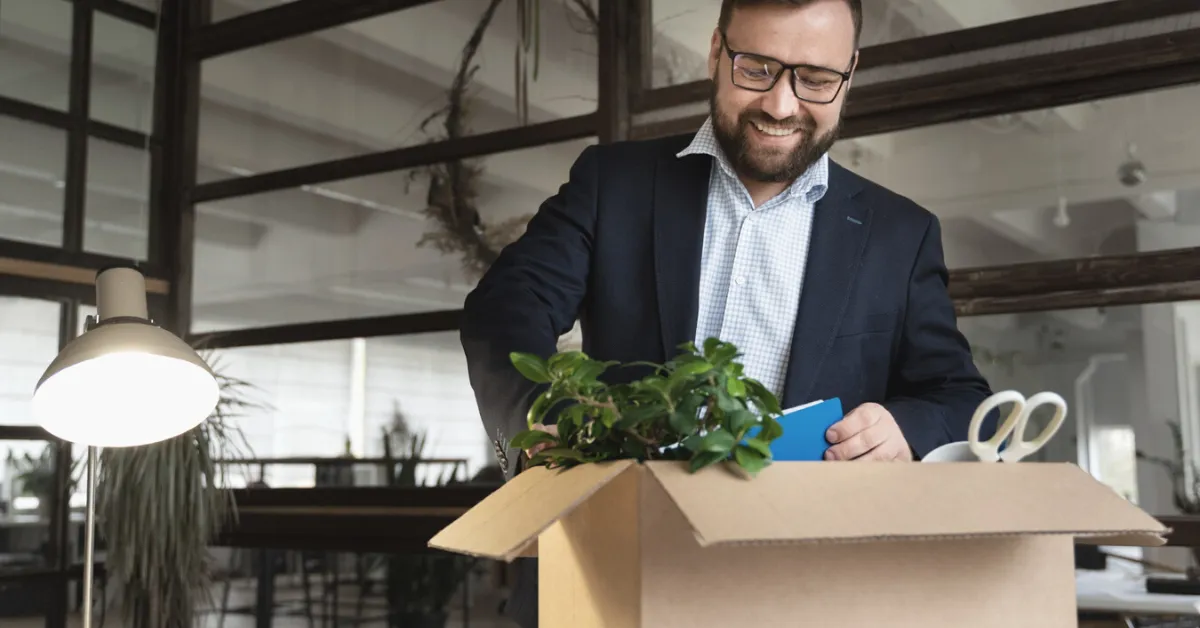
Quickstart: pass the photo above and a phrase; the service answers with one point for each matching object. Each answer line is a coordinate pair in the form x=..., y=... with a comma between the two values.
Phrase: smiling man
x=831, y=285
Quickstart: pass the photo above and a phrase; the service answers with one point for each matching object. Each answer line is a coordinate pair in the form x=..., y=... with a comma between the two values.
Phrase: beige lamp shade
x=125, y=381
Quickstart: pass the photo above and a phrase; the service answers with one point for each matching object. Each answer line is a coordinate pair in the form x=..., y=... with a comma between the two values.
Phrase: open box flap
x=847, y=501
x=505, y=524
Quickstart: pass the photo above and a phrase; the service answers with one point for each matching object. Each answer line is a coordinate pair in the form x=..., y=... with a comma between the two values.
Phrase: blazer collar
x=841, y=225
x=680, y=207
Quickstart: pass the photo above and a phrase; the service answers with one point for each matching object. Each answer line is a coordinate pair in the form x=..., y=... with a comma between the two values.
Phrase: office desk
x=1124, y=593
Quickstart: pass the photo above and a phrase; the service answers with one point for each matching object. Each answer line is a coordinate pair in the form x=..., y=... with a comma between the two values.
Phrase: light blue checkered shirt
x=752, y=265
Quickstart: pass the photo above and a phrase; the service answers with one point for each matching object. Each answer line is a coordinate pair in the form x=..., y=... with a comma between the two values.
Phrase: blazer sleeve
x=935, y=387
x=526, y=300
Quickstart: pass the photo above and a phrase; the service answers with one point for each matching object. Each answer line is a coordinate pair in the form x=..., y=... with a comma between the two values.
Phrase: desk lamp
x=124, y=382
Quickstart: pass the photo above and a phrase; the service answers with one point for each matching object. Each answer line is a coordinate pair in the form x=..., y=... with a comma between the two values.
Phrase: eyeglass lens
x=758, y=74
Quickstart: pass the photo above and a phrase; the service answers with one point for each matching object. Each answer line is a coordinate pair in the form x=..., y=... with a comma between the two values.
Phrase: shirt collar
x=812, y=184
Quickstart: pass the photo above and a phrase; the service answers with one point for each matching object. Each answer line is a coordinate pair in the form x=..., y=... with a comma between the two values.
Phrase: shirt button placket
x=739, y=276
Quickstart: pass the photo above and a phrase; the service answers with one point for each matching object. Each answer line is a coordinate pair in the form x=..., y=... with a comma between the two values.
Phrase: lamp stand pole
x=89, y=544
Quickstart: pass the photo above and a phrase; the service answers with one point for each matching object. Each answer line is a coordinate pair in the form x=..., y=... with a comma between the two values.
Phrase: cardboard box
x=627, y=544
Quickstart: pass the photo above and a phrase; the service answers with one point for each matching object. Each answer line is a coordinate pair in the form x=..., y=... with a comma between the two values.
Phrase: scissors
x=1014, y=424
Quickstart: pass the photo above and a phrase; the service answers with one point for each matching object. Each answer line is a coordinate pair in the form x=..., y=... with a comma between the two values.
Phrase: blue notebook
x=804, y=430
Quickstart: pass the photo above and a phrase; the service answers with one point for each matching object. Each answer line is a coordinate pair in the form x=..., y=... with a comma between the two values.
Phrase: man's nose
x=781, y=102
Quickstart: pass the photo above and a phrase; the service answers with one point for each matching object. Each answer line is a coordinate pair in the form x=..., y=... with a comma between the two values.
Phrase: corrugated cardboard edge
x=1150, y=536
x=1131, y=538
x=506, y=524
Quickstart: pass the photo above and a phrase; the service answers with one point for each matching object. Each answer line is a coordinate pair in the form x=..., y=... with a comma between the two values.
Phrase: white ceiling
x=349, y=249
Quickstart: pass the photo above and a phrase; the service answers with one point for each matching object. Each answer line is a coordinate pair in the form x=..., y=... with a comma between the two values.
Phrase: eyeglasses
x=759, y=73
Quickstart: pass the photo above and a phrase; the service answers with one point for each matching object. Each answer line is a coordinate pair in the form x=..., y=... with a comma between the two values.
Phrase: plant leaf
x=735, y=387
x=529, y=438
x=560, y=364
x=749, y=459
x=771, y=429
x=587, y=371
x=706, y=458
x=718, y=440
x=692, y=367
x=531, y=367
x=762, y=397
x=638, y=415
x=760, y=446
x=683, y=422
x=556, y=454
x=740, y=421
x=542, y=405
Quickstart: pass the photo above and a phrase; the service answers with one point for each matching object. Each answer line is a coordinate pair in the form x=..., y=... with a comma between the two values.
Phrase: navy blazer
x=619, y=247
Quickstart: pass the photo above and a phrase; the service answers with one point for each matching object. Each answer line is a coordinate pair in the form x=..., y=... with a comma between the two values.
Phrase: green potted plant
x=699, y=406
x=1186, y=498
x=159, y=507
x=35, y=477
x=419, y=585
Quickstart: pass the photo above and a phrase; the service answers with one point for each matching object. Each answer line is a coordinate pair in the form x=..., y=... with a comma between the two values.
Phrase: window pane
x=1119, y=369
x=1107, y=177
x=35, y=52
x=350, y=249
x=28, y=343
x=367, y=86
x=26, y=490
x=226, y=10
x=32, y=172
x=123, y=56
x=327, y=399
x=117, y=213
x=683, y=28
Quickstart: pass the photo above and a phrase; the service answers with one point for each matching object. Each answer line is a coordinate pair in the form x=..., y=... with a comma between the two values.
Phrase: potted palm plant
x=159, y=507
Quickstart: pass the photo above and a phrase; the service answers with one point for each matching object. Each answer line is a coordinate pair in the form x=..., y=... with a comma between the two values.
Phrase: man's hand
x=868, y=433
x=549, y=429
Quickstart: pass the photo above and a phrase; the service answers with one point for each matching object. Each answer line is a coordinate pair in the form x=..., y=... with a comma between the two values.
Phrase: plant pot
x=420, y=619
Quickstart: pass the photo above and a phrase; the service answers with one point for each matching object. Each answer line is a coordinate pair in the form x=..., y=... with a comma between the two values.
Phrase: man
x=829, y=284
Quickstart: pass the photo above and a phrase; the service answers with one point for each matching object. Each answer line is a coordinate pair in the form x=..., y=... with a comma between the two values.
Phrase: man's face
x=774, y=136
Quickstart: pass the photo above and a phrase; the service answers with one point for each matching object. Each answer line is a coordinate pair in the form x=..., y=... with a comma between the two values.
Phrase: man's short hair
x=727, y=7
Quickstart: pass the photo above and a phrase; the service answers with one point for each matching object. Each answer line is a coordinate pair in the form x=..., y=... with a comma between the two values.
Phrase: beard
x=769, y=165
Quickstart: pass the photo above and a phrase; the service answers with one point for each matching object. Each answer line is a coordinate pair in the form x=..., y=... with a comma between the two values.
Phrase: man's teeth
x=774, y=130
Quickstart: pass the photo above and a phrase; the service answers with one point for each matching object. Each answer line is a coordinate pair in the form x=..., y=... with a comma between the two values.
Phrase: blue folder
x=804, y=430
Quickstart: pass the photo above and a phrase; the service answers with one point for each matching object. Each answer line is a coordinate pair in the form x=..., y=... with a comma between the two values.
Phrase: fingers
x=868, y=433
x=864, y=445
x=854, y=423
x=549, y=429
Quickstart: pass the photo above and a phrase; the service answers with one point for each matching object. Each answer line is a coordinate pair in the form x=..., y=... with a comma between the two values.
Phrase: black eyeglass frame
x=784, y=67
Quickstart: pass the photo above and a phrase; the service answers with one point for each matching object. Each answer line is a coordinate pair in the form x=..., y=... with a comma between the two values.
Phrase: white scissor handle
x=989, y=450
x=1019, y=447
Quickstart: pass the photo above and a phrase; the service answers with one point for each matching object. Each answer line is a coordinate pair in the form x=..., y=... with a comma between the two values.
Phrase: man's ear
x=714, y=52
x=853, y=67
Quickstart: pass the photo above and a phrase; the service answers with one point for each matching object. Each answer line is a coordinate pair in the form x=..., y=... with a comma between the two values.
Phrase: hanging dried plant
x=452, y=197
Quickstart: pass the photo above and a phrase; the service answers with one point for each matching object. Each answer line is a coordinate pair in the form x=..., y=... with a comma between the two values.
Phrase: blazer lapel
x=839, y=237
x=680, y=208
